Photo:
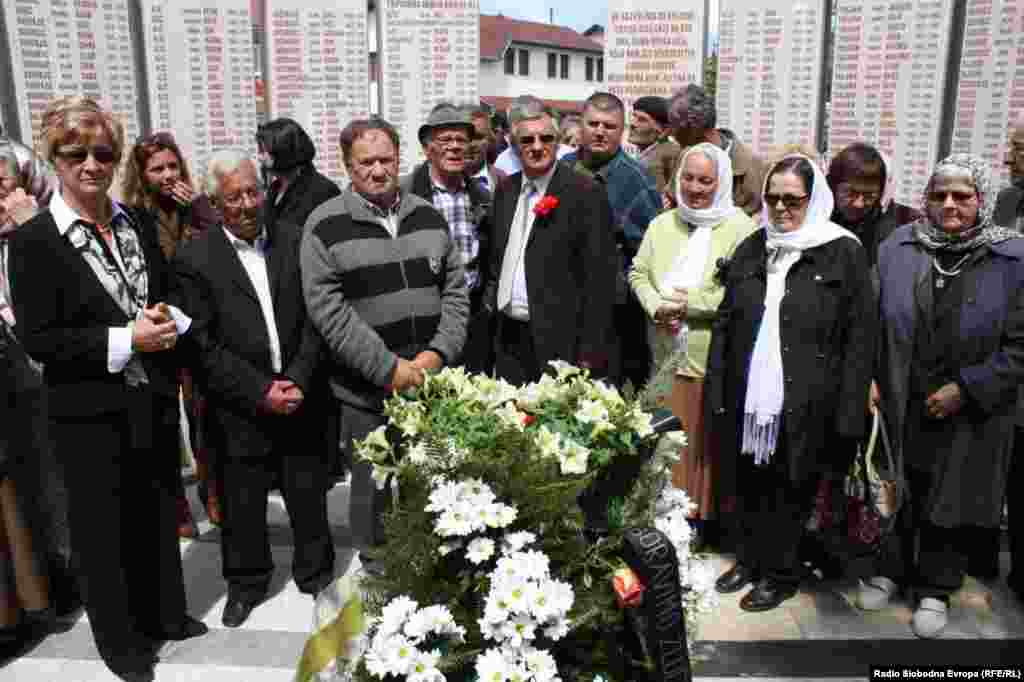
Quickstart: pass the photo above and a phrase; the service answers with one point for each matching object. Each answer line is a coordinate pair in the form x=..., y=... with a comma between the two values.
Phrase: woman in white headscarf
x=673, y=276
x=788, y=372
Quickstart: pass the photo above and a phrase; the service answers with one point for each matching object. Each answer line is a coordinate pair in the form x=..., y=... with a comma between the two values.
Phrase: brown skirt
x=697, y=467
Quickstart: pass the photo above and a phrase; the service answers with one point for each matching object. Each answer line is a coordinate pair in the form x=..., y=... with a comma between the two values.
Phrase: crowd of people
x=785, y=299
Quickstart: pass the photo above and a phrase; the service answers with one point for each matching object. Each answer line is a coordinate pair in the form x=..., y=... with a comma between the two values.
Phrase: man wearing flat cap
x=444, y=181
x=648, y=132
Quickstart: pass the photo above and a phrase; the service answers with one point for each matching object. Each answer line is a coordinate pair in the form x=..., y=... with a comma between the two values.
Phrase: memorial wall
x=71, y=47
x=991, y=85
x=888, y=84
x=317, y=70
x=430, y=52
x=653, y=47
x=769, y=71
x=199, y=61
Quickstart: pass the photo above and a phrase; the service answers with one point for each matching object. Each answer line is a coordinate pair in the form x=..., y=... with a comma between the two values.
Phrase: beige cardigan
x=666, y=237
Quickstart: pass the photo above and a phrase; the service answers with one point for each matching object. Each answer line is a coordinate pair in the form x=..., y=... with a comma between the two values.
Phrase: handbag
x=875, y=487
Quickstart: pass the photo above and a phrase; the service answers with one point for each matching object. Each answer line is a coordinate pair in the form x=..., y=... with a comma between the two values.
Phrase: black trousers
x=478, y=352
x=515, y=358
x=634, y=353
x=770, y=517
x=245, y=544
x=1015, y=509
x=124, y=538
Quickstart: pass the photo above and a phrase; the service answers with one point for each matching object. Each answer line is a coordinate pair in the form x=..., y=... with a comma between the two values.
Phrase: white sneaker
x=874, y=593
x=930, y=618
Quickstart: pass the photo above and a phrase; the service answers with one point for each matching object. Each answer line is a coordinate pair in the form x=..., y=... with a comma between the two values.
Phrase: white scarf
x=765, y=381
x=688, y=270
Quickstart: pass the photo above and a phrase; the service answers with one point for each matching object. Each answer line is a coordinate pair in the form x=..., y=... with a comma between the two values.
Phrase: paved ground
x=816, y=635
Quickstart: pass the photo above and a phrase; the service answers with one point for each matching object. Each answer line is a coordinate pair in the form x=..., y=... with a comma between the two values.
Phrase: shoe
x=136, y=676
x=930, y=618
x=766, y=595
x=237, y=611
x=189, y=628
x=874, y=593
x=735, y=579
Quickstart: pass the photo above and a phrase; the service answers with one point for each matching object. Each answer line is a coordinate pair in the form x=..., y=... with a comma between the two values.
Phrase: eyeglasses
x=958, y=197
x=850, y=194
x=527, y=140
x=445, y=142
x=788, y=200
x=238, y=199
x=77, y=154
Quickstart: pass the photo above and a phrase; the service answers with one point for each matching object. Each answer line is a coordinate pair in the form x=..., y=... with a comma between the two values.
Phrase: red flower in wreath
x=546, y=204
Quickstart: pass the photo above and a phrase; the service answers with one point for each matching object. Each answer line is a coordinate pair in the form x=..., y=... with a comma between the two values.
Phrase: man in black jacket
x=463, y=201
x=256, y=352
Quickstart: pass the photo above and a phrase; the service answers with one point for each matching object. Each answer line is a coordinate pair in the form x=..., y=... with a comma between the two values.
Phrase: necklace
x=943, y=275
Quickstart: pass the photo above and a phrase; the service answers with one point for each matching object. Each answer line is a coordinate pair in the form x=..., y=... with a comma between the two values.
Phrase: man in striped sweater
x=385, y=287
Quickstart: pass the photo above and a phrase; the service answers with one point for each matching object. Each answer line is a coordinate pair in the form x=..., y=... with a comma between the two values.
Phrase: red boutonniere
x=546, y=205
x=629, y=591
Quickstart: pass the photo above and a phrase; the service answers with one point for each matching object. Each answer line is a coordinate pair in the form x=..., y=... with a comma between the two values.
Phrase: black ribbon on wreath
x=653, y=558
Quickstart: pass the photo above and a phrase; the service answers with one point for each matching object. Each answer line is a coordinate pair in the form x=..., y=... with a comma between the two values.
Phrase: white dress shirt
x=253, y=259
x=119, y=339
x=518, y=307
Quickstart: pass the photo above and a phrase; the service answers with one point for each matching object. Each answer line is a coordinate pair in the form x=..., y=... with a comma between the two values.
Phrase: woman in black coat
x=296, y=188
x=788, y=375
x=88, y=281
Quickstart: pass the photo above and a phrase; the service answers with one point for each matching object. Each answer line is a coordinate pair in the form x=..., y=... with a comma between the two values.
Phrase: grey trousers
x=366, y=504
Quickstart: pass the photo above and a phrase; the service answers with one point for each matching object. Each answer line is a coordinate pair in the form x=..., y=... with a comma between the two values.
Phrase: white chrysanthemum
x=557, y=630
x=394, y=655
x=506, y=515
x=541, y=601
x=515, y=542
x=548, y=442
x=424, y=667
x=532, y=564
x=573, y=458
x=591, y=411
x=480, y=550
x=518, y=630
x=541, y=665
x=417, y=453
x=447, y=548
x=491, y=666
x=417, y=627
x=395, y=613
x=564, y=369
x=560, y=594
x=509, y=416
x=640, y=421
x=455, y=522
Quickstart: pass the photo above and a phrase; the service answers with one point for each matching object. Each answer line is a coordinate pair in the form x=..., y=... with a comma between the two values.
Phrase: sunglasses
x=788, y=200
x=77, y=154
x=527, y=140
x=958, y=197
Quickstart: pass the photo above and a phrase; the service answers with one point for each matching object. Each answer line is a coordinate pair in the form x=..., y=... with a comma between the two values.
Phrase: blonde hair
x=68, y=120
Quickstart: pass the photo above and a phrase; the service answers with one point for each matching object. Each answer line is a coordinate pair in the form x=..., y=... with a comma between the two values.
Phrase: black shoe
x=735, y=579
x=136, y=676
x=189, y=628
x=766, y=595
x=237, y=611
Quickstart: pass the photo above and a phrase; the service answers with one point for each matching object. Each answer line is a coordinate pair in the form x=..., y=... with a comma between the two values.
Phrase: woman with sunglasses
x=788, y=370
x=157, y=181
x=89, y=286
x=952, y=357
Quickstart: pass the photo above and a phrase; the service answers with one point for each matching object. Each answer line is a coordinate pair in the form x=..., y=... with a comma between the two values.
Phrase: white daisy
x=480, y=550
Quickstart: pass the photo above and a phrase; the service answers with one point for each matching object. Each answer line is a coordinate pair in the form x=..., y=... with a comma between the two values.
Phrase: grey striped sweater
x=375, y=298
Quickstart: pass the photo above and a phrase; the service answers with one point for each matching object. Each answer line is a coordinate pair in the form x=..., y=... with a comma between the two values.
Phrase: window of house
x=600, y=69
x=552, y=65
x=590, y=68
x=565, y=66
x=510, y=62
x=524, y=63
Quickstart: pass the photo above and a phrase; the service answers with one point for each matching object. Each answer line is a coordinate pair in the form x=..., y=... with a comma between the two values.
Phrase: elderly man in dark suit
x=256, y=351
x=554, y=260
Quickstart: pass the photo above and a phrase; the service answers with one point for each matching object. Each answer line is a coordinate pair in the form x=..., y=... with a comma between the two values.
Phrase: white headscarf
x=765, y=382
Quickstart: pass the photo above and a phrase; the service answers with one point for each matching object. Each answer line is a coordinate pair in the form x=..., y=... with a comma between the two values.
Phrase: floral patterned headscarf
x=934, y=238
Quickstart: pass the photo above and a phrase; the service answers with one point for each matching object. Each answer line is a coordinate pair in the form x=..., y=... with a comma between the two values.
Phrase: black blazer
x=828, y=324
x=64, y=315
x=571, y=264
x=308, y=190
x=228, y=345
